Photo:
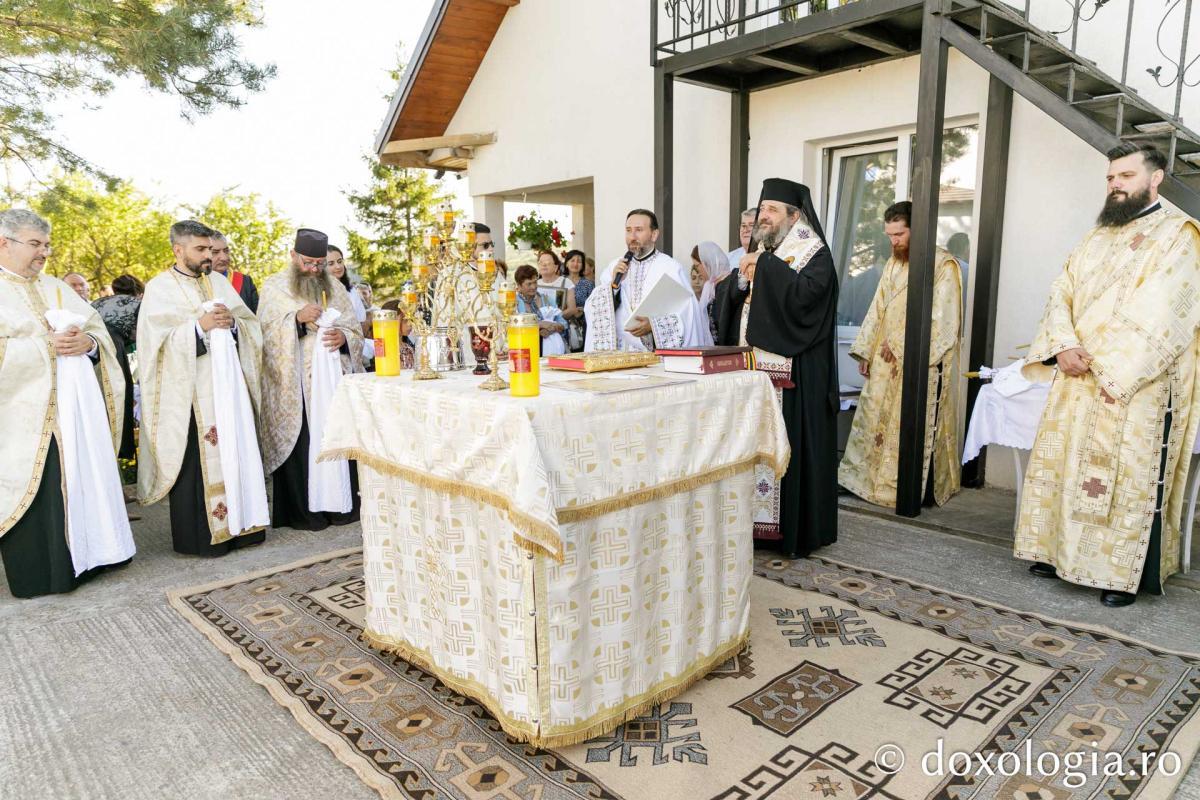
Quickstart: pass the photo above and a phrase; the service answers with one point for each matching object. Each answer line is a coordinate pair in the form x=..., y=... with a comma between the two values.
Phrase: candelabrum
x=497, y=308
x=417, y=301
x=452, y=291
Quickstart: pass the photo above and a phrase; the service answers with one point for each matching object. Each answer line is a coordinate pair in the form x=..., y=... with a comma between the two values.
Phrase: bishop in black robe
x=792, y=314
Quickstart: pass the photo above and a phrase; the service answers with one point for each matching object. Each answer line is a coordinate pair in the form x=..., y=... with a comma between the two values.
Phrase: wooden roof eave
x=411, y=71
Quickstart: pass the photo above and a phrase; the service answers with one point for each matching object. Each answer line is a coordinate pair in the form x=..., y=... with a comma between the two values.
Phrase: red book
x=702, y=351
x=707, y=364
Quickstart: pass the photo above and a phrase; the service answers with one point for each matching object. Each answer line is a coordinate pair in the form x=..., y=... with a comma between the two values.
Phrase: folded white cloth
x=328, y=481
x=237, y=438
x=1008, y=380
x=97, y=525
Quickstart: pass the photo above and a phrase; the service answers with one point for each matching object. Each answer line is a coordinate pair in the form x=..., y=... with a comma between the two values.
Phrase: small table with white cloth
x=568, y=560
x=1007, y=413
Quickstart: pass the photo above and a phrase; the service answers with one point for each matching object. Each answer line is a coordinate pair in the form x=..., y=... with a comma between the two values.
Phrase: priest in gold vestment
x=179, y=449
x=34, y=542
x=1105, y=485
x=869, y=467
x=291, y=303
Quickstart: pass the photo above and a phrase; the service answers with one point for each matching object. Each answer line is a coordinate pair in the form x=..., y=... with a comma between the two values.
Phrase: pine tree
x=51, y=49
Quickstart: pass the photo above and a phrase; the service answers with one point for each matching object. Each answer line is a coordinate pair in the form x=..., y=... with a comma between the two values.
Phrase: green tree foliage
x=103, y=230
x=259, y=235
x=395, y=211
x=54, y=48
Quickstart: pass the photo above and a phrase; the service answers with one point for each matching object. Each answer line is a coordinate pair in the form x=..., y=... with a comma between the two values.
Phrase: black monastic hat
x=781, y=190
x=311, y=243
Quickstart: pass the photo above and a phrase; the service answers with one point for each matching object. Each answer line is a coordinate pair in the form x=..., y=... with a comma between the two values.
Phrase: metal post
x=1128, y=42
x=1183, y=65
x=739, y=161
x=653, y=32
x=927, y=172
x=988, y=241
x=664, y=153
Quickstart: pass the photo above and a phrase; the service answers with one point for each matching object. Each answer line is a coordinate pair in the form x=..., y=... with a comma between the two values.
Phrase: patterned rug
x=848, y=672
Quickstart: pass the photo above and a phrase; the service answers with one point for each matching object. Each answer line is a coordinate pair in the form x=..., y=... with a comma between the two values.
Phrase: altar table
x=568, y=560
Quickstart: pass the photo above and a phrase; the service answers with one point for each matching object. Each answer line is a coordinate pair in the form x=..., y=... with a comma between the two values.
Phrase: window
x=863, y=181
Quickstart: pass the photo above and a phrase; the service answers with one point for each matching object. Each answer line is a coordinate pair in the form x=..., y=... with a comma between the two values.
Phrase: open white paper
x=665, y=297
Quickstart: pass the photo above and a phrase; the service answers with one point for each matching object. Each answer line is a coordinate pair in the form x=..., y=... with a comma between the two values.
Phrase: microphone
x=626, y=258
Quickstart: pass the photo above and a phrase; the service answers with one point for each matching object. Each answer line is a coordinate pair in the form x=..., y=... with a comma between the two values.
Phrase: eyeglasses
x=35, y=244
x=314, y=264
x=487, y=246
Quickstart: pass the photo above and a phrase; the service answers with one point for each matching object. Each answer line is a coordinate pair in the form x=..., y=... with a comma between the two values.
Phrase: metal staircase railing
x=1072, y=89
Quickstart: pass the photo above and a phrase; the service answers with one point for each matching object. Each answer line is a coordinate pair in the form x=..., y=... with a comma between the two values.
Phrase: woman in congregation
x=337, y=269
x=576, y=262
x=553, y=282
x=709, y=266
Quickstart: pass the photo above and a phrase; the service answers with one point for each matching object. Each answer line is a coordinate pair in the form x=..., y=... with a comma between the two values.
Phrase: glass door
x=864, y=181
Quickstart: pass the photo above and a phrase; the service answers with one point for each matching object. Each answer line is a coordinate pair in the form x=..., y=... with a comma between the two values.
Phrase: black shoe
x=1043, y=570
x=1117, y=599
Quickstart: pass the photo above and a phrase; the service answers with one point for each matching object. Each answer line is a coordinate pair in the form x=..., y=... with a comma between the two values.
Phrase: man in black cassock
x=782, y=301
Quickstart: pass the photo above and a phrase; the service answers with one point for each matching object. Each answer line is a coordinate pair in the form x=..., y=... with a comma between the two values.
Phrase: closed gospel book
x=701, y=351
x=709, y=363
x=601, y=361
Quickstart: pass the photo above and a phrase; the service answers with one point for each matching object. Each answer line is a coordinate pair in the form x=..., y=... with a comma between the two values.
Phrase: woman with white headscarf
x=709, y=266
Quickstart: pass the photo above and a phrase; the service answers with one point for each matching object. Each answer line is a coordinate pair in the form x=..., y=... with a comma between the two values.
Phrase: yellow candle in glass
x=448, y=217
x=487, y=266
x=508, y=298
x=409, y=297
x=421, y=272
x=433, y=240
x=386, y=328
x=469, y=236
x=524, y=344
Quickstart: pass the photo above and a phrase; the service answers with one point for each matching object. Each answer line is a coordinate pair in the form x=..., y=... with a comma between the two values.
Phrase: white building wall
x=568, y=89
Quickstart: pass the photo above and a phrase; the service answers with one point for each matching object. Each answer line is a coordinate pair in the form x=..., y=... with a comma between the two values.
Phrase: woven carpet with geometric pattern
x=842, y=661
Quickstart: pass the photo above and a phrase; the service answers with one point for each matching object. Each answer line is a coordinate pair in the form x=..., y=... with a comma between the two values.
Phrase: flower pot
x=523, y=244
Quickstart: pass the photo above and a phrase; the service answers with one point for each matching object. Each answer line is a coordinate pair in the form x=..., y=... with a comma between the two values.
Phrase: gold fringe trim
x=518, y=729
x=531, y=534
x=667, y=689
x=534, y=535
x=563, y=736
x=663, y=490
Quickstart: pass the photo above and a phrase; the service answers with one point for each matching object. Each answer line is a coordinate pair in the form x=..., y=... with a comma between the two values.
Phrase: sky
x=299, y=143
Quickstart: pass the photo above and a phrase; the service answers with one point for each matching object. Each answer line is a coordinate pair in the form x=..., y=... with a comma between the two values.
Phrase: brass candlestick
x=499, y=309
x=416, y=299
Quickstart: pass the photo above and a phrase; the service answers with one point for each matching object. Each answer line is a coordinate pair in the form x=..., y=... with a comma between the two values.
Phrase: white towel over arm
x=97, y=525
x=328, y=481
x=237, y=444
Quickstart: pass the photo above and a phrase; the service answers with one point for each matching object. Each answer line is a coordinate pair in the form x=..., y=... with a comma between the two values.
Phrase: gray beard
x=309, y=287
x=769, y=240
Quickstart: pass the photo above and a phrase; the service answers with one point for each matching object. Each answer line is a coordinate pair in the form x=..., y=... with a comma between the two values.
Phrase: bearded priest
x=611, y=324
x=199, y=349
x=782, y=301
x=870, y=466
x=62, y=513
x=1105, y=486
x=312, y=337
